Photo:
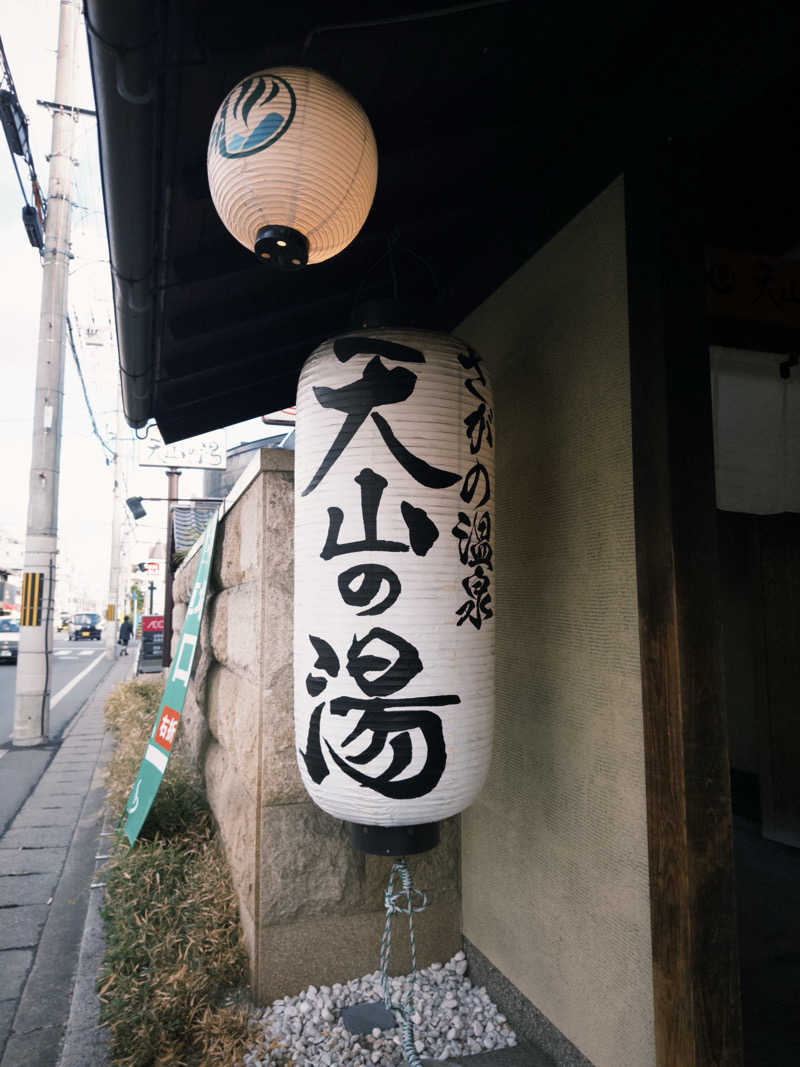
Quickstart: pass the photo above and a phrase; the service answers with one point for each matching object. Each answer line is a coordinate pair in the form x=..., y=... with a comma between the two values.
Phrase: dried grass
x=130, y=711
x=173, y=981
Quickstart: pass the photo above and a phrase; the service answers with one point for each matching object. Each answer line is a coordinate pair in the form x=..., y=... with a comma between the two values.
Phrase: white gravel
x=451, y=1018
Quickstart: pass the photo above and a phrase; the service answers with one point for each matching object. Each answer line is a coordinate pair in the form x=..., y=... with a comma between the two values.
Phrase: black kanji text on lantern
x=377, y=386
x=474, y=533
x=383, y=714
x=422, y=531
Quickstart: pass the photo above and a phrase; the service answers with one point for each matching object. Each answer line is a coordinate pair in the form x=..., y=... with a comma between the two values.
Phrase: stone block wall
x=311, y=906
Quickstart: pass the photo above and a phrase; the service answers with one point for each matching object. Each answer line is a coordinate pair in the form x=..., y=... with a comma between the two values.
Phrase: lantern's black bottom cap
x=281, y=247
x=395, y=840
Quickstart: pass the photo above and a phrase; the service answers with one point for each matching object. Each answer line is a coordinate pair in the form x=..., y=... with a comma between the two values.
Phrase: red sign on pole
x=167, y=725
x=152, y=624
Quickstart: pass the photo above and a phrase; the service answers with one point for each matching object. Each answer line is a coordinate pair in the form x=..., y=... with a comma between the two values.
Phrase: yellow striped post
x=32, y=586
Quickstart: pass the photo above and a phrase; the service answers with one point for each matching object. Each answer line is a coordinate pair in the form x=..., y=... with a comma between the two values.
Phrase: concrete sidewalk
x=47, y=865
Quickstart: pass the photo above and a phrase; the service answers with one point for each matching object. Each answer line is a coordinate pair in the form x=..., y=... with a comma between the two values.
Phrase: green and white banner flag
x=159, y=746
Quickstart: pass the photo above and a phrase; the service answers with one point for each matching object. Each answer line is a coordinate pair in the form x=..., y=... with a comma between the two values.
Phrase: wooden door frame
x=692, y=900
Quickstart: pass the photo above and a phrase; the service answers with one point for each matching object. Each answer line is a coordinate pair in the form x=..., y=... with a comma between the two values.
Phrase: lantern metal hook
x=395, y=248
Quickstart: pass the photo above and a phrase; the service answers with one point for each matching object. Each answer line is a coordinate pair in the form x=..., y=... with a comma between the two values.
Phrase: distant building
x=220, y=483
x=188, y=524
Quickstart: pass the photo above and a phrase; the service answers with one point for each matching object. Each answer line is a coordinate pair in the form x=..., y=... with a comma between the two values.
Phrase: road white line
x=71, y=685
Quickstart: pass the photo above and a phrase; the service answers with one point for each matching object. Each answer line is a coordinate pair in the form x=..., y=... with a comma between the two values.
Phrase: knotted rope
x=394, y=906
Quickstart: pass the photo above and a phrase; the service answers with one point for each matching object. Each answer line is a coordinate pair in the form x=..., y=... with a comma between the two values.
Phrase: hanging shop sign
x=204, y=452
x=394, y=567
x=162, y=736
x=757, y=289
x=292, y=166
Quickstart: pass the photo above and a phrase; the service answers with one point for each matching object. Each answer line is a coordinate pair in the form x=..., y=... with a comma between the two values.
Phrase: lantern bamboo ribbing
x=292, y=165
x=394, y=578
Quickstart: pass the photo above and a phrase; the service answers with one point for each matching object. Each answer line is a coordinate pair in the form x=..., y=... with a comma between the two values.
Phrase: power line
x=83, y=386
x=15, y=127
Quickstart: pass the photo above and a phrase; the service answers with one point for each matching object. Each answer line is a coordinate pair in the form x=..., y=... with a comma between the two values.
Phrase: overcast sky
x=29, y=29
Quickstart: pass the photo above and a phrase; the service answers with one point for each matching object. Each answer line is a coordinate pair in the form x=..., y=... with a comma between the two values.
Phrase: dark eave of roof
x=495, y=123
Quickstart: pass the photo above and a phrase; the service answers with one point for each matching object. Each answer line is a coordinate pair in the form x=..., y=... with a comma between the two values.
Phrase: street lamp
x=135, y=505
x=138, y=512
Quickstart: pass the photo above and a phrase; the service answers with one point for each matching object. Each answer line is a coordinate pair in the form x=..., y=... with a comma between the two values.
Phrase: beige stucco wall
x=554, y=851
x=311, y=905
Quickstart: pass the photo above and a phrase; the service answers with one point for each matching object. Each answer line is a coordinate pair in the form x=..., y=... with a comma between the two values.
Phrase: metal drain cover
x=361, y=1018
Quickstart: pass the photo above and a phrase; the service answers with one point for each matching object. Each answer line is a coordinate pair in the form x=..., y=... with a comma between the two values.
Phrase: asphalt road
x=78, y=667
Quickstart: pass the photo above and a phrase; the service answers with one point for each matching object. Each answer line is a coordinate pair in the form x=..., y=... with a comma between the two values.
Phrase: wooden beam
x=695, y=961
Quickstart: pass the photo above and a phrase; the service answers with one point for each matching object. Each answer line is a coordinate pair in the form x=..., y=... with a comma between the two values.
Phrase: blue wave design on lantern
x=260, y=135
x=254, y=92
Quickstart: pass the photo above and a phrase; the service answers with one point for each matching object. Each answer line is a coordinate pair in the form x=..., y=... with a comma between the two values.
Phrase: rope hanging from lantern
x=392, y=901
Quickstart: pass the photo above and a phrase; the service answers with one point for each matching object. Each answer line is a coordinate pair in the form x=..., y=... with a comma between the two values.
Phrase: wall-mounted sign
x=741, y=285
x=206, y=451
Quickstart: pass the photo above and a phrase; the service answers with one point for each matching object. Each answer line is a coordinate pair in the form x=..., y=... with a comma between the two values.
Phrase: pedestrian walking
x=125, y=632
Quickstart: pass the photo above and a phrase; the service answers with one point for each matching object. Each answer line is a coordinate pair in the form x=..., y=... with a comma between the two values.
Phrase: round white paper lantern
x=394, y=581
x=292, y=165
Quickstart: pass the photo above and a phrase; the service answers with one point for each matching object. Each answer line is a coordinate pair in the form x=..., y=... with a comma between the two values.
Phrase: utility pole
x=115, y=568
x=172, y=497
x=32, y=704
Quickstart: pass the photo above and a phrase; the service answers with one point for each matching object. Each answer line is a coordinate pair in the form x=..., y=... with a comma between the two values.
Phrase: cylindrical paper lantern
x=394, y=578
x=292, y=165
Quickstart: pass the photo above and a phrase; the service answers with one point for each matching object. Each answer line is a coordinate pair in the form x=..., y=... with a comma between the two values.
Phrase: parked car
x=9, y=640
x=86, y=626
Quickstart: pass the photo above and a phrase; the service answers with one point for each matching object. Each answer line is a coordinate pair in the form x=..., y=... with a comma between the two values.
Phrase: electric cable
x=27, y=155
x=96, y=432
x=19, y=179
x=393, y=20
